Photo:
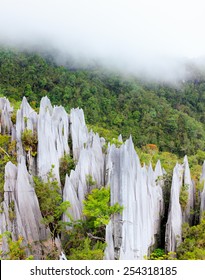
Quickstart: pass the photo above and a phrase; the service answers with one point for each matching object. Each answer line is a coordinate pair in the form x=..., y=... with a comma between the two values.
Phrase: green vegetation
x=16, y=249
x=67, y=163
x=90, y=182
x=87, y=251
x=193, y=245
x=12, y=214
x=97, y=208
x=51, y=204
x=154, y=113
x=166, y=122
x=86, y=238
x=159, y=254
x=7, y=153
x=30, y=140
x=184, y=196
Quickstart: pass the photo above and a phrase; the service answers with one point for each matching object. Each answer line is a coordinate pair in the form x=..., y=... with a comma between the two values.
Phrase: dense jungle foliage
x=171, y=117
x=165, y=121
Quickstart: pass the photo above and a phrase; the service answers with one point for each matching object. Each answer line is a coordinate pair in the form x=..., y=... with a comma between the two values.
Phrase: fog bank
x=145, y=37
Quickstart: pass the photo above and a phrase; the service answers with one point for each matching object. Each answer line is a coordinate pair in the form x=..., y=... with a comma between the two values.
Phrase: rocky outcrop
x=22, y=216
x=79, y=131
x=26, y=119
x=130, y=235
x=135, y=188
x=88, y=173
x=53, y=133
x=189, y=186
x=178, y=213
x=5, y=116
x=174, y=223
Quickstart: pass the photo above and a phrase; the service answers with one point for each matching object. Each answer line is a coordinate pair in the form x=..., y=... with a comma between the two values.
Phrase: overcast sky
x=151, y=36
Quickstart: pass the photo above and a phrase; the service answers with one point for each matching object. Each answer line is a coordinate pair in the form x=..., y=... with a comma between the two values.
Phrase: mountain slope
x=170, y=117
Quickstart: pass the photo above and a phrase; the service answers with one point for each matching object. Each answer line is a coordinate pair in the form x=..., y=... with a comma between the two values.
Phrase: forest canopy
x=171, y=117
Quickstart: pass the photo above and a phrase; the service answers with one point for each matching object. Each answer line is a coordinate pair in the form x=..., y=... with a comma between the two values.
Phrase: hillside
x=66, y=188
x=67, y=192
x=170, y=117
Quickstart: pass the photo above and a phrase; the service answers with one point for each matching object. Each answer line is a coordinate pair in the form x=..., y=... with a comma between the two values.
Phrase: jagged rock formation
x=5, y=116
x=136, y=189
x=90, y=164
x=54, y=127
x=130, y=235
x=174, y=223
x=53, y=133
x=26, y=118
x=79, y=131
x=177, y=214
x=21, y=213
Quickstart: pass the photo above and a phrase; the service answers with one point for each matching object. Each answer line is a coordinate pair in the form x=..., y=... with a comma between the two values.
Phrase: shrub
x=159, y=254
x=184, y=196
x=51, y=204
x=87, y=251
x=85, y=240
x=67, y=163
x=193, y=244
x=16, y=249
x=97, y=208
x=89, y=181
x=29, y=141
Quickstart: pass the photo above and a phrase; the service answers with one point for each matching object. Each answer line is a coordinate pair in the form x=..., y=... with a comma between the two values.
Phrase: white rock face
x=28, y=205
x=174, y=223
x=190, y=189
x=177, y=216
x=26, y=118
x=22, y=216
x=53, y=132
x=5, y=116
x=109, y=253
x=133, y=187
x=9, y=187
x=138, y=189
x=79, y=131
x=90, y=163
x=70, y=195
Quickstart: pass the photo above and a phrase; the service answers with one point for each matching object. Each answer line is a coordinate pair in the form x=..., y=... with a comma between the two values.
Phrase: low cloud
x=150, y=38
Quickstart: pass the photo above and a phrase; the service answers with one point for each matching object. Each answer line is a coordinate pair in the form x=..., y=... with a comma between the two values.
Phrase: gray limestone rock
x=79, y=131
x=26, y=119
x=70, y=195
x=174, y=223
x=22, y=216
x=53, y=133
x=177, y=215
x=5, y=116
x=109, y=253
x=187, y=217
x=89, y=168
x=129, y=235
x=133, y=187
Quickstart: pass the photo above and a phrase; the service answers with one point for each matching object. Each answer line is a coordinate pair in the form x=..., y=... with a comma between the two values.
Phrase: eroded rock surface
x=22, y=216
x=130, y=235
x=5, y=116
x=178, y=213
x=134, y=187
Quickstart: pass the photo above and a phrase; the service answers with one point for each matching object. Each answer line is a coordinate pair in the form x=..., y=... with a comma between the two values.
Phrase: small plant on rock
x=30, y=140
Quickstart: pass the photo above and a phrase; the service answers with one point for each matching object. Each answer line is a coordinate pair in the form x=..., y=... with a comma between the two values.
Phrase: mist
x=152, y=39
